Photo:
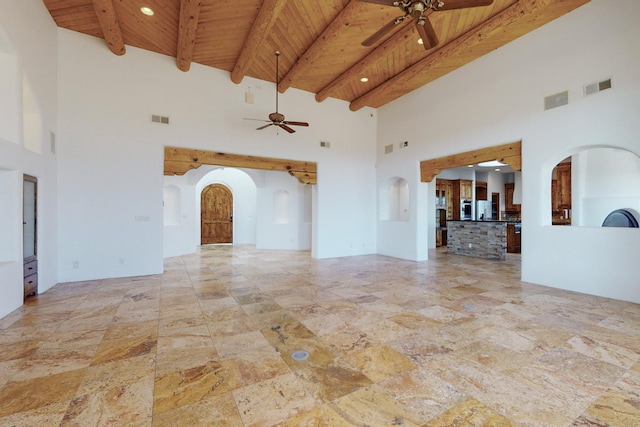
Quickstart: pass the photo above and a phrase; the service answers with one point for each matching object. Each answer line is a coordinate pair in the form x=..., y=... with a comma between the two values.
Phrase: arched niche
x=281, y=207
x=593, y=182
x=394, y=200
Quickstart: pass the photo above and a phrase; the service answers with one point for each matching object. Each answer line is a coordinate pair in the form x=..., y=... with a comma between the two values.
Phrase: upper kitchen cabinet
x=509, y=206
x=481, y=190
x=463, y=188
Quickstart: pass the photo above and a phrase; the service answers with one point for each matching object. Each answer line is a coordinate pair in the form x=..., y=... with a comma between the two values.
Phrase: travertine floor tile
x=453, y=341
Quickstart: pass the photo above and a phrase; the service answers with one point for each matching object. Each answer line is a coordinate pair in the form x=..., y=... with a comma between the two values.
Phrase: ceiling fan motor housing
x=276, y=117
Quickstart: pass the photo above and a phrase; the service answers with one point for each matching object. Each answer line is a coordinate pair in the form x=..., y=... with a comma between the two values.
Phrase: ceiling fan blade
x=382, y=31
x=461, y=4
x=295, y=123
x=287, y=128
x=264, y=127
x=257, y=120
x=382, y=2
x=427, y=33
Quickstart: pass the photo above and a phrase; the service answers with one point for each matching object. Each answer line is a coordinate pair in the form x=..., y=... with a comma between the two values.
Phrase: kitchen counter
x=482, y=239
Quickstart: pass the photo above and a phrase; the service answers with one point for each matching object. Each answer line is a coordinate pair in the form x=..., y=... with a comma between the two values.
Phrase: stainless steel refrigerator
x=483, y=210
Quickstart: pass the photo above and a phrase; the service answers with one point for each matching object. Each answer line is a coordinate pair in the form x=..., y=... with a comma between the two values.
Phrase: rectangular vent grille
x=556, y=100
x=160, y=119
x=388, y=149
x=596, y=87
x=325, y=144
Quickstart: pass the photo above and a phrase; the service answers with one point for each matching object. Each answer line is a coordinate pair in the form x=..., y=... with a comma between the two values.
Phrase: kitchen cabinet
x=562, y=187
x=462, y=189
x=513, y=239
x=444, y=196
x=441, y=237
x=466, y=189
x=509, y=206
x=481, y=190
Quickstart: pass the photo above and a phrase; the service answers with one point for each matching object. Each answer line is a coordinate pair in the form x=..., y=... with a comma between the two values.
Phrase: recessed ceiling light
x=364, y=79
x=491, y=164
x=420, y=41
x=147, y=10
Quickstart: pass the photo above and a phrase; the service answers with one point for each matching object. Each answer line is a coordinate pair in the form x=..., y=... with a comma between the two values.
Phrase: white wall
x=28, y=54
x=606, y=180
x=289, y=230
x=111, y=154
x=594, y=42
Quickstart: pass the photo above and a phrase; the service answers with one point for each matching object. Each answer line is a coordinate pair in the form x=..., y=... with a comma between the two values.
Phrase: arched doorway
x=216, y=215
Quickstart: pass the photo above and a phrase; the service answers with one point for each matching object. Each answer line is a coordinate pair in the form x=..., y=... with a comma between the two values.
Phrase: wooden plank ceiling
x=320, y=41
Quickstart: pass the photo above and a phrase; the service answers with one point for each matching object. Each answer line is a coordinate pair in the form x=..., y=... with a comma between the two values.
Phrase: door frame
x=34, y=180
x=231, y=210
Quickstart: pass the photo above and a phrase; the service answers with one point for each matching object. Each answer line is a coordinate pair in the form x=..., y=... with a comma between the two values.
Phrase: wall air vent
x=596, y=87
x=160, y=119
x=388, y=149
x=556, y=100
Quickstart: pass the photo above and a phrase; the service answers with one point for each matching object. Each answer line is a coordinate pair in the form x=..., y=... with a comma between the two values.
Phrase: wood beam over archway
x=510, y=154
x=178, y=161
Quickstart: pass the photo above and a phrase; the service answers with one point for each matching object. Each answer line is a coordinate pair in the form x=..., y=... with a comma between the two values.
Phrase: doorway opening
x=30, y=234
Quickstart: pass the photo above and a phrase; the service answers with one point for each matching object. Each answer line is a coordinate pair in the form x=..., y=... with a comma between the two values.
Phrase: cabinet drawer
x=30, y=268
x=31, y=285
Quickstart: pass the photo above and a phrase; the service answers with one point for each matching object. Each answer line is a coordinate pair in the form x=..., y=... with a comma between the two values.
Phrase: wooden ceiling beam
x=178, y=161
x=187, y=26
x=357, y=70
x=108, y=20
x=267, y=16
x=510, y=154
x=497, y=25
x=321, y=44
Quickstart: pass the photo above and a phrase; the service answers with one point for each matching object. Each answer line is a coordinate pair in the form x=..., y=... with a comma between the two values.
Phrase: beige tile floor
x=454, y=341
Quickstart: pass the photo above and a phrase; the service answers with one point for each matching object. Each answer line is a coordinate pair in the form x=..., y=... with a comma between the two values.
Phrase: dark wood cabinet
x=561, y=194
x=509, y=206
x=481, y=190
x=513, y=239
x=563, y=186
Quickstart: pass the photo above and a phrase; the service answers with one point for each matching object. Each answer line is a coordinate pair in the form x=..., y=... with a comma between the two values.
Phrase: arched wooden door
x=216, y=215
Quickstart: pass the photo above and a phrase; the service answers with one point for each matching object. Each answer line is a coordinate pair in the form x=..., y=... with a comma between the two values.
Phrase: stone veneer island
x=483, y=239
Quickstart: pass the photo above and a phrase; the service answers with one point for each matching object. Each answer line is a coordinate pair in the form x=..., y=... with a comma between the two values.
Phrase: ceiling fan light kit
x=416, y=10
x=276, y=118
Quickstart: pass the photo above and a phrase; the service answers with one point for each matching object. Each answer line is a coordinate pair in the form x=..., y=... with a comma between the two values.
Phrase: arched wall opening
x=591, y=182
x=272, y=210
x=394, y=200
x=244, y=190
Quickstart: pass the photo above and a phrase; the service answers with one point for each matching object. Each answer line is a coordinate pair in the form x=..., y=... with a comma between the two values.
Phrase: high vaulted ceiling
x=319, y=40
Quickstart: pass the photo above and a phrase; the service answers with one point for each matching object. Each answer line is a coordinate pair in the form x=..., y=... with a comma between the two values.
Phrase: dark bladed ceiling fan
x=416, y=10
x=278, y=119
